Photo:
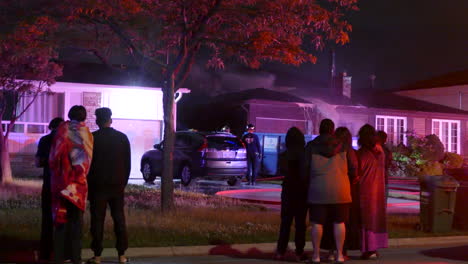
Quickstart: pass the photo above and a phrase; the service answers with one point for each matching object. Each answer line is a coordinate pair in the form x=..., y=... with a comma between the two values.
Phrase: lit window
x=135, y=104
x=394, y=126
x=448, y=132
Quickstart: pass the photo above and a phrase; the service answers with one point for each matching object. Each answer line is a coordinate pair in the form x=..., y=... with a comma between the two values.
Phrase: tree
x=26, y=70
x=165, y=37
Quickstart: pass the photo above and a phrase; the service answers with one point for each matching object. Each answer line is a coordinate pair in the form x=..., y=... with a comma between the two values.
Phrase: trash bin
x=437, y=203
x=460, y=218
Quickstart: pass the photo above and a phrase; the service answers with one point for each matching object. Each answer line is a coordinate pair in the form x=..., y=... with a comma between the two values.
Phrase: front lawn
x=197, y=220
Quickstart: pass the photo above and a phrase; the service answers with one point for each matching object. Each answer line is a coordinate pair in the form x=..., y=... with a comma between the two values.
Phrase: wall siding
x=276, y=118
x=419, y=126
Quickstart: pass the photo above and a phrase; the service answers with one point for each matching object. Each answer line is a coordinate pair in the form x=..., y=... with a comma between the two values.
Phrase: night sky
x=400, y=41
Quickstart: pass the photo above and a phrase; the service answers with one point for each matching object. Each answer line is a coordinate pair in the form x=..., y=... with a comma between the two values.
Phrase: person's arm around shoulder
x=353, y=166
x=306, y=162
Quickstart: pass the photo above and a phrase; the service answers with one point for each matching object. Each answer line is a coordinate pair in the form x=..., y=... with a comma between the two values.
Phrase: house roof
x=383, y=100
x=446, y=80
x=94, y=73
x=389, y=100
x=323, y=94
x=259, y=94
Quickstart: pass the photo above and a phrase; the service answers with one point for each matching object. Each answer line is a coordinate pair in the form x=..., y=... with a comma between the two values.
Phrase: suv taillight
x=204, y=146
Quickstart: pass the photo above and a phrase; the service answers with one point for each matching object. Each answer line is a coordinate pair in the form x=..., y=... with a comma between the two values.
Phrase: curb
x=403, y=196
x=263, y=247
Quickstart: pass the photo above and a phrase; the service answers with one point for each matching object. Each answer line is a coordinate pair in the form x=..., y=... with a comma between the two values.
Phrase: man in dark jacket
x=107, y=178
x=42, y=160
x=254, y=155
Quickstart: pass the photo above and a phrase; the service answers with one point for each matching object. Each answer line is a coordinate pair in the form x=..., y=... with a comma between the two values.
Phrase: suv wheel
x=233, y=181
x=185, y=174
x=146, y=171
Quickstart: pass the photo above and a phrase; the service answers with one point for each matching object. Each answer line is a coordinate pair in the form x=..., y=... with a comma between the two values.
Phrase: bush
x=428, y=148
x=421, y=156
x=431, y=168
x=452, y=160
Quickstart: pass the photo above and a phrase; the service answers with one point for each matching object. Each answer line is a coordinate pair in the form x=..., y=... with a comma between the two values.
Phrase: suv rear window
x=224, y=143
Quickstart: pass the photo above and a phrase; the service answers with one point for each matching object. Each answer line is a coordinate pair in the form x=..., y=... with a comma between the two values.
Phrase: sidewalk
x=402, y=250
x=398, y=201
x=262, y=247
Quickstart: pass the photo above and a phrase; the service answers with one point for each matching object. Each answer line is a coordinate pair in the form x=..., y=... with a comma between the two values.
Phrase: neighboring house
x=450, y=90
x=270, y=111
x=274, y=112
x=137, y=111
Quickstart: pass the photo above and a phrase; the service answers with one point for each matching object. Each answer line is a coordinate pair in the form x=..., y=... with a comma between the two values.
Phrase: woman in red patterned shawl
x=372, y=193
x=69, y=161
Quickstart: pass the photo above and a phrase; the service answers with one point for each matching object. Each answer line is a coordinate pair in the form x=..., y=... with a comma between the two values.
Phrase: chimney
x=332, y=80
x=343, y=83
x=346, y=85
x=372, y=78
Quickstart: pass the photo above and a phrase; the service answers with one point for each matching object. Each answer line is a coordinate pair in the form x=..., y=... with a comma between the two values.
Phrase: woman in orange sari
x=372, y=193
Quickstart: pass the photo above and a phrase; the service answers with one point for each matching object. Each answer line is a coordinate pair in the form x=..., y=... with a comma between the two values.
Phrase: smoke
x=239, y=81
x=228, y=80
x=325, y=109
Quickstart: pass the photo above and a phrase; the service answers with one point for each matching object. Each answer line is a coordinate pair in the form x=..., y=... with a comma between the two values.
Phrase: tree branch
x=134, y=51
x=96, y=53
x=202, y=24
x=36, y=93
x=186, y=70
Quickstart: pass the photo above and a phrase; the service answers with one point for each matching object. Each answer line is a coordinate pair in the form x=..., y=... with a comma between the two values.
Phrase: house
x=137, y=111
x=450, y=90
x=273, y=112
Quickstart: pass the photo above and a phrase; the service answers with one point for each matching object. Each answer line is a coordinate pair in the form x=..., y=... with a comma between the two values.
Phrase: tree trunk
x=6, y=175
x=167, y=184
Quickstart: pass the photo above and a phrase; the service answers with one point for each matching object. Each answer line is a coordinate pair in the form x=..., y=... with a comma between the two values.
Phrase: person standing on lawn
x=42, y=161
x=382, y=140
x=353, y=239
x=293, y=196
x=254, y=153
x=69, y=160
x=372, y=193
x=107, y=179
x=329, y=194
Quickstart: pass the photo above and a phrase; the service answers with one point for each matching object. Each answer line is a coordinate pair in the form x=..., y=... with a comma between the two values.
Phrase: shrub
x=404, y=164
x=421, y=156
x=452, y=160
x=431, y=168
x=428, y=148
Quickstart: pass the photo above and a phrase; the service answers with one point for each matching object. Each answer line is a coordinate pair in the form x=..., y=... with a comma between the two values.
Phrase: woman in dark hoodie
x=293, y=196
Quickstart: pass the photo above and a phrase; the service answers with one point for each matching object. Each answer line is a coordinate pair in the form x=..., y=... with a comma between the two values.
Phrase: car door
x=182, y=150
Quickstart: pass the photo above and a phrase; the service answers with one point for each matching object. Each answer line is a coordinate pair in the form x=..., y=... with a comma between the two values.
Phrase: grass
x=197, y=219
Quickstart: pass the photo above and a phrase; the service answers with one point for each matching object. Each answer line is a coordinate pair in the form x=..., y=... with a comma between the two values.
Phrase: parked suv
x=206, y=154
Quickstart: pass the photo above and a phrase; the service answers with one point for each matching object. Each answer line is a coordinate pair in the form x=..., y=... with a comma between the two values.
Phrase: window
x=394, y=126
x=448, y=132
x=135, y=104
x=36, y=119
x=182, y=141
